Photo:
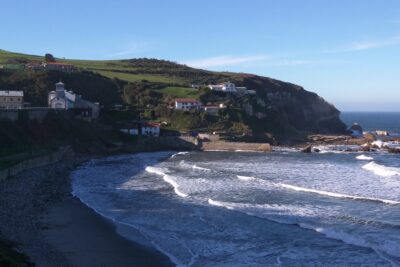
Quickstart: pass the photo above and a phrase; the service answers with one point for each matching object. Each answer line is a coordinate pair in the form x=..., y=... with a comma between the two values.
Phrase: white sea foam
x=200, y=168
x=156, y=170
x=269, y=212
x=185, y=165
x=332, y=194
x=175, y=185
x=363, y=157
x=179, y=153
x=245, y=178
x=381, y=170
x=167, y=178
x=219, y=204
x=390, y=248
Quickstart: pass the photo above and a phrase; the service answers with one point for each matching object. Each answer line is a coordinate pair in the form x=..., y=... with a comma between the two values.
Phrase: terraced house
x=11, y=99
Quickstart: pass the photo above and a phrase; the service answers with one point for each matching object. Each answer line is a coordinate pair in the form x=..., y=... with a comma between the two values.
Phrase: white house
x=225, y=87
x=63, y=99
x=187, y=103
x=213, y=110
x=150, y=129
x=11, y=99
x=131, y=131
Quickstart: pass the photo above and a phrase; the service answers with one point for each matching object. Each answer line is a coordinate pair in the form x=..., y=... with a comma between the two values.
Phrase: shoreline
x=54, y=228
x=56, y=218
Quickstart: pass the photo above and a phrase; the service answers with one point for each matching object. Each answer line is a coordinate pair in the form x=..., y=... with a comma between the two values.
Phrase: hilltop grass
x=181, y=92
x=136, y=70
x=5, y=55
x=129, y=77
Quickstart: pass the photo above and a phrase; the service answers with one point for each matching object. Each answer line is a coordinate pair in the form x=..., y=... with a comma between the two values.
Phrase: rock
x=395, y=150
x=369, y=137
x=307, y=149
x=366, y=148
x=265, y=148
x=317, y=150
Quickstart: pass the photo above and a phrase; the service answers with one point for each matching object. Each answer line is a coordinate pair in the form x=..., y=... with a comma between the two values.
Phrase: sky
x=346, y=51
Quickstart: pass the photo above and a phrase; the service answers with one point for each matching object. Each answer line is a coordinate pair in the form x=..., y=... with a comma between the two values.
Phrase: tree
x=49, y=58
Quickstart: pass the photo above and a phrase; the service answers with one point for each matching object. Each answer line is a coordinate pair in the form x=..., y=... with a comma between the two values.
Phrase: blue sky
x=346, y=51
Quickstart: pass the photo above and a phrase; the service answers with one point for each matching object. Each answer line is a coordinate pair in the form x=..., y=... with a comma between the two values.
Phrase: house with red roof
x=187, y=103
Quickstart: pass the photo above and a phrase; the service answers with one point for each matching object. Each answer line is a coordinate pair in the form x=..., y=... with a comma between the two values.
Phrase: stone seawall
x=37, y=162
x=27, y=113
x=236, y=146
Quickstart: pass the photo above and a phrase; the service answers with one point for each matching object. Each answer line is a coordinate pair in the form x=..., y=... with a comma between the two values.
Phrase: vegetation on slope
x=149, y=86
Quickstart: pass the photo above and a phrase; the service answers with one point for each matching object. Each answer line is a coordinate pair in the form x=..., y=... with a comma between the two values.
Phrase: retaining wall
x=41, y=161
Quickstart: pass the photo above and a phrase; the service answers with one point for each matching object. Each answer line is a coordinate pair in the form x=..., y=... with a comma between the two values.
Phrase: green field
x=181, y=92
x=135, y=70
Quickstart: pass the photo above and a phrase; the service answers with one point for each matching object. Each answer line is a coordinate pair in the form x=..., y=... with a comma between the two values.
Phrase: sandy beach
x=53, y=228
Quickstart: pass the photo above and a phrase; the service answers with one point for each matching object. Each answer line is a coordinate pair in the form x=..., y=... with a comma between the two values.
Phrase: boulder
x=307, y=149
x=395, y=150
x=369, y=137
x=366, y=148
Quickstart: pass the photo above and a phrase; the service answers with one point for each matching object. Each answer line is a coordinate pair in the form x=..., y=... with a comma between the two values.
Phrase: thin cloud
x=127, y=51
x=366, y=45
x=222, y=61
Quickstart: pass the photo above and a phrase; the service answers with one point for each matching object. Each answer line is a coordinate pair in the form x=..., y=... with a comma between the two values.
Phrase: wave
x=194, y=167
x=167, y=178
x=386, y=251
x=320, y=192
x=337, y=149
x=200, y=168
x=179, y=153
x=381, y=170
x=257, y=210
x=363, y=157
x=245, y=178
x=218, y=204
x=337, y=195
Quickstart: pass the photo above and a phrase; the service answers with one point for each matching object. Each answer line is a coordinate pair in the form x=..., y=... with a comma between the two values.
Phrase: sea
x=285, y=208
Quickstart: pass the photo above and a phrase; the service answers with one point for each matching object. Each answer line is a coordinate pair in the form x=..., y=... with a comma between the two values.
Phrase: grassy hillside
x=130, y=70
x=149, y=86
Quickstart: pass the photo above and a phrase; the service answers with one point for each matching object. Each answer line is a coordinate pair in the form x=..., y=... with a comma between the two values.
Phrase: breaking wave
x=245, y=178
x=332, y=194
x=167, y=178
x=194, y=167
x=363, y=157
x=381, y=170
x=179, y=153
x=269, y=212
x=200, y=168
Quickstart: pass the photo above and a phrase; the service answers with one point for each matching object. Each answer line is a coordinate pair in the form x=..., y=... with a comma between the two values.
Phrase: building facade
x=225, y=87
x=150, y=129
x=58, y=66
x=187, y=103
x=63, y=99
x=11, y=99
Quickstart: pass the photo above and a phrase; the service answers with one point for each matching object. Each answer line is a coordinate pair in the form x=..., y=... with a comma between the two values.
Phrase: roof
x=186, y=100
x=11, y=93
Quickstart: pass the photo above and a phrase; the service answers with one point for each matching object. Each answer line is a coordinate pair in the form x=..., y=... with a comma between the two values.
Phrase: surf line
x=321, y=192
x=332, y=194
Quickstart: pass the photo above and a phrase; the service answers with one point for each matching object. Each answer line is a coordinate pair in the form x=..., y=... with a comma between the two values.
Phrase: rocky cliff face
x=285, y=107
